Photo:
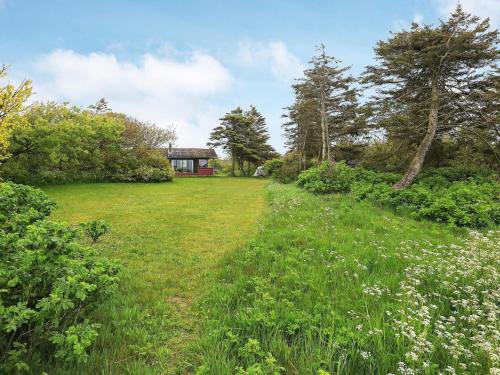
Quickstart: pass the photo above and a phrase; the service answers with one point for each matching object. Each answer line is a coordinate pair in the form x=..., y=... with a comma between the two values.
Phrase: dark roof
x=190, y=153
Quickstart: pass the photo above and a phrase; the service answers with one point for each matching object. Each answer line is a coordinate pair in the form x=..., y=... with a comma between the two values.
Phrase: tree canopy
x=244, y=136
x=12, y=99
x=324, y=111
x=435, y=81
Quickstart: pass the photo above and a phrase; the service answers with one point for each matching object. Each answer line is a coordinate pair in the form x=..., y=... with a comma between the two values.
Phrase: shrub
x=273, y=166
x=285, y=169
x=146, y=174
x=48, y=282
x=437, y=196
x=95, y=229
x=448, y=175
x=338, y=178
x=22, y=205
x=462, y=203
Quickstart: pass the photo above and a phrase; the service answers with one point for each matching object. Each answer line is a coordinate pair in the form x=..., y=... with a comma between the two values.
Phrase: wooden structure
x=191, y=161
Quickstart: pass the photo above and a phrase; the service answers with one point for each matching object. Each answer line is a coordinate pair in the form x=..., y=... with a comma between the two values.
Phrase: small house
x=191, y=161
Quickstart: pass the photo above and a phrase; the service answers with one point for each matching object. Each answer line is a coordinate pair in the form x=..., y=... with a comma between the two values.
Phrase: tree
x=243, y=135
x=302, y=131
x=12, y=100
x=63, y=144
x=144, y=134
x=100, y=107
x=432, y=81
x=259, y=150
x=324, y=108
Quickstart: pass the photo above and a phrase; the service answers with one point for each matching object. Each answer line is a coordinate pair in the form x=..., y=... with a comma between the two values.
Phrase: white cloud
x=163, y=90
x=402, y=24
x=275, y=55
x=418, y=18
x=481, y=8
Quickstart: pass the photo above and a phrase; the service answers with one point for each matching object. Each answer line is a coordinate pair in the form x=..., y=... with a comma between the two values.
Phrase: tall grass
x=330, y=285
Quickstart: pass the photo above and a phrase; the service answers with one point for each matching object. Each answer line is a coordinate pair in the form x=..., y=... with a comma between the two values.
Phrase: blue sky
x=188, y=62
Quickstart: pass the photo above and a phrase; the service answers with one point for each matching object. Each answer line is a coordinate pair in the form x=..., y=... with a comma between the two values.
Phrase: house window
x=203, y=163
x=184, y=166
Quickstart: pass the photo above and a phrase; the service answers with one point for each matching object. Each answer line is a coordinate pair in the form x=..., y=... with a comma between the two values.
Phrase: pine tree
x=431, y=81
x=325, y=102
x=100, y=107
x=258, y=146
x=244, y=136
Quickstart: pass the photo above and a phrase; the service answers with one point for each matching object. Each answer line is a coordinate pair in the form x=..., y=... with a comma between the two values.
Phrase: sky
x=187, y=63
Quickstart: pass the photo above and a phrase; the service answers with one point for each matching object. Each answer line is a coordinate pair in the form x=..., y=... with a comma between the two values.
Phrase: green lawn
x=168, y=237
x=321, y=285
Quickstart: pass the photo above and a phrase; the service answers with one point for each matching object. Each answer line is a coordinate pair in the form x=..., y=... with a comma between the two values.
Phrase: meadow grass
x=168, y=238
x=319, y=285
x=333, y=286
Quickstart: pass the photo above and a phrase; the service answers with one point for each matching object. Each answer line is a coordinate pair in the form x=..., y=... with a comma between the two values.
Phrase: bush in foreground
x=48, y=282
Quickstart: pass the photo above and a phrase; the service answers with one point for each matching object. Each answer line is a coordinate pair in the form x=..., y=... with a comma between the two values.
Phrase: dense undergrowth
x=49, y=281
x=331, y=285
x=450, y=195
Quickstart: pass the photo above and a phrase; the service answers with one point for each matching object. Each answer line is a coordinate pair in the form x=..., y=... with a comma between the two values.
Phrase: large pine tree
x=324, y=108
x=432, y=81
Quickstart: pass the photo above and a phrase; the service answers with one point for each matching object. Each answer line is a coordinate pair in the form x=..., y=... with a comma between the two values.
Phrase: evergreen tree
x=100, y=107
x=433, y=81
x=324, y=108
x=258, y=146
x=243, y=135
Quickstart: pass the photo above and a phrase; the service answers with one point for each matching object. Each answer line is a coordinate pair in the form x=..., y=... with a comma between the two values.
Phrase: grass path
x=168, y=237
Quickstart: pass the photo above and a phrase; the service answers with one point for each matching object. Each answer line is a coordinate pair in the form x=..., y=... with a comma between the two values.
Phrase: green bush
x=285, y=169
x=447, y=175
x=438, y=195
x=21, y=206
x=48, y=283
x=273, y=166
x=329, y=178
x=462, y=203
x=146, y=174
x=95, y=229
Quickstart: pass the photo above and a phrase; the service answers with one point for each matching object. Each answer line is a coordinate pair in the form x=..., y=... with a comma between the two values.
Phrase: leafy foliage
x=61, y=144
x=439, y=195
x=95, y=229
x=463, y=203
x=285, y=169
x=325, y=178
x=12, y=100
x=48, y=282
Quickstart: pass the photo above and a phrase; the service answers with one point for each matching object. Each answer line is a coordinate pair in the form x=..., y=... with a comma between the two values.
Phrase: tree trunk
x=418, y=160
x=232, y=164
x=325, y=142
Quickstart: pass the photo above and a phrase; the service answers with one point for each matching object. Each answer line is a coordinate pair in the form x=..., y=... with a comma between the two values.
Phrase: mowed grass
x=334, y=286
x=169, y=238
